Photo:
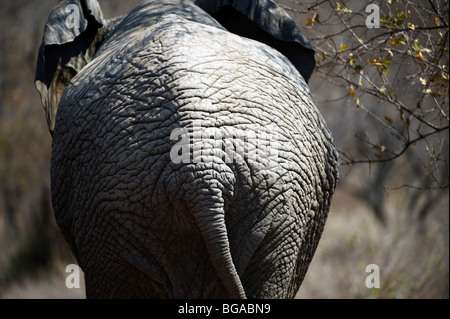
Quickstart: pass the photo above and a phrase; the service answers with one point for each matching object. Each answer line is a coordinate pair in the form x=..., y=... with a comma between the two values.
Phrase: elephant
x=188, y=158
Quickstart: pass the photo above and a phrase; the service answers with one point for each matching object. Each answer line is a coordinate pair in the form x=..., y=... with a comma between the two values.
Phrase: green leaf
x=316, y=17
x=399, y=21
x=398, y=41
x=416, y=45
x=342, y=8
x=383, y=90
x=376, y=147
x=384, y=67
x=436, y=21
x=352, y=91
x=387, y=20
x=343, y=48
x=313, y=20
x=375, y=61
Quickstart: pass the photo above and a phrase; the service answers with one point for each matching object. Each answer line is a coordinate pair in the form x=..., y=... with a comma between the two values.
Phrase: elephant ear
x=71, y=35
x=264, y=21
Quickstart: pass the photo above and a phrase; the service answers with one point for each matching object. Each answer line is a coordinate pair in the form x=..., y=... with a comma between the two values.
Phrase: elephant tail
x=209, y=213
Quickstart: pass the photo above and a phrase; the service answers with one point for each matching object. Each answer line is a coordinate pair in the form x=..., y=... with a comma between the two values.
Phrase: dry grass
x=45, y=285
x=412, y=257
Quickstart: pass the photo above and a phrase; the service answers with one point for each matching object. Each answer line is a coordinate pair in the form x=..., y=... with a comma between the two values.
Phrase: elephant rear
x=189, y=162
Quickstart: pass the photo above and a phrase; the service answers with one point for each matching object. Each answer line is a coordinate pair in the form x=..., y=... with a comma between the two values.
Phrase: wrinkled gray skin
x=143, y=226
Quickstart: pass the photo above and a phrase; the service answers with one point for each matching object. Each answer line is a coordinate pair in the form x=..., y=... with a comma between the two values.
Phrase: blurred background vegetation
x=384, y=95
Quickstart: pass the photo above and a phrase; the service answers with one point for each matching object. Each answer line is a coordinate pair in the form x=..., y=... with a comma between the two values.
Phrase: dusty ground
x=45, y=286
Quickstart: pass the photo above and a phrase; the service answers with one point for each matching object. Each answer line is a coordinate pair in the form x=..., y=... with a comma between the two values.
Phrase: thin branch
x=396, y=154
